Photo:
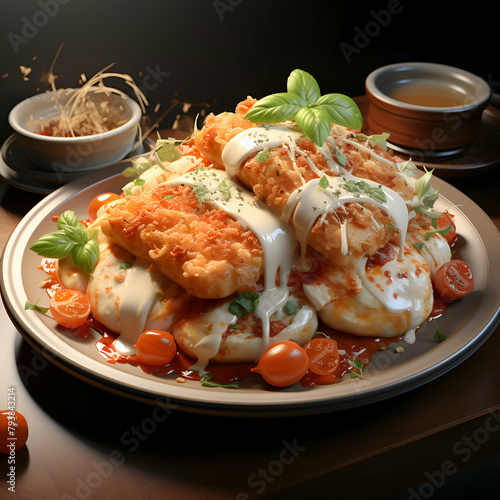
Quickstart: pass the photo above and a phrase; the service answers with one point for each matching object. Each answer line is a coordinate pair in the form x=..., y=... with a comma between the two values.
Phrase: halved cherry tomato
x=70, y=308
x=13, y=431
x=454, y=280
x=282, y=364
x=443, y=221
x=98, y=202
x=323, y=355
x=155, y=347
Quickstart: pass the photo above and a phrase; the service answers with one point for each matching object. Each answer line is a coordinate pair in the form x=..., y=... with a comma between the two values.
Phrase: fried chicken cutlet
x=200, y=248
x=290, y=166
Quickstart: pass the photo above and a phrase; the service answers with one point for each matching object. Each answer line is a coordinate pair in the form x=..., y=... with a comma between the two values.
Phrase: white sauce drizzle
x=311, y=201
x=398, y=286
x=276, y=237
x=139, y=292
x=254, y=140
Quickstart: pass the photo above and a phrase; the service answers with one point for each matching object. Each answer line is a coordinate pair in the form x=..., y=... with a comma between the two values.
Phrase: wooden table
x=87, y=443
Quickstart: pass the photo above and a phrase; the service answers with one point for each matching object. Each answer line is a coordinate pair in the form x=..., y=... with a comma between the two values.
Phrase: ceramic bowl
x=73, y=154
x=426, y=107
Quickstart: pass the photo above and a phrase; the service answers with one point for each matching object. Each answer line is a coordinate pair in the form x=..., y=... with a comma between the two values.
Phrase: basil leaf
x=76, y=234
x=86, y=255
x=342, y=110
x=55, y=245
x=68, y=218
x=244, y=303
x=304, y=85
x=315, y=122
x=275, y=108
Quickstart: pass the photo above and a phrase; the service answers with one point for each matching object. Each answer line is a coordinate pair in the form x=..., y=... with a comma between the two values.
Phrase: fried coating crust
x=275, y=179
x=220, y=129
x=202, y=249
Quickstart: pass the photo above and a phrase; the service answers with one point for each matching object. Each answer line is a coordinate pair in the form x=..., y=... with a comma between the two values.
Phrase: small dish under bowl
x=428, y=108
x=81, y=153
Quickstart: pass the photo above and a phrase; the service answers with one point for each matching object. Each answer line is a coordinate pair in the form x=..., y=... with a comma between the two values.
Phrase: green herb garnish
x=28, y=306
x=206, y=381
x=442, y=232
x=166, y=150
x=426, y=195
x=312, y=112
x=361, y=187
x=244, y=303
x=341, y=157
x=263, y=156
x=71, y=238
x=357, y=365
x=323, y=182
x=380, y=139
x=438, y=336
x=291, y=307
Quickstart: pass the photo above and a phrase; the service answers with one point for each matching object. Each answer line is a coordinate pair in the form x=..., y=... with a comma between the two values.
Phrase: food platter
x=467, y=324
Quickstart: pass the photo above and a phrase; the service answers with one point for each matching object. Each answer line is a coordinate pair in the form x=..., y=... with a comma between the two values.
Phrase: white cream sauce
x=400, y=285
x=276, y=237
x=139, y=292
x=313, y=200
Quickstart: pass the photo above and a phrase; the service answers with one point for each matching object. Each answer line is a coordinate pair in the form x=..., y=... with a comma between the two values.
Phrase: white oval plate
x=468, y=323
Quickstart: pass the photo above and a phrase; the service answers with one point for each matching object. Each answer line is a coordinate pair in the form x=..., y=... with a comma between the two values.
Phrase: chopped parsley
x=244, y=303
x=263, y=156
x=359, y=188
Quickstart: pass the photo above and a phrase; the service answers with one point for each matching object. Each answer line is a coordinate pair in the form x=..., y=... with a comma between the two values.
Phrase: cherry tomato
x=454, y=280
x=156, y=348
x=70, y=308
x=443, y=221
x=99, y=201
x=13, y=431
x=323, y=355
x=282, y=364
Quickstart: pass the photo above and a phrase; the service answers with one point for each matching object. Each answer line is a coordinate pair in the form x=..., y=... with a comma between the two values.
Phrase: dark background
x=219, y=51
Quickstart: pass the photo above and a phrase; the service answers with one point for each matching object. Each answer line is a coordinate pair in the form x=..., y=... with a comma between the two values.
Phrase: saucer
x=18, y=170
